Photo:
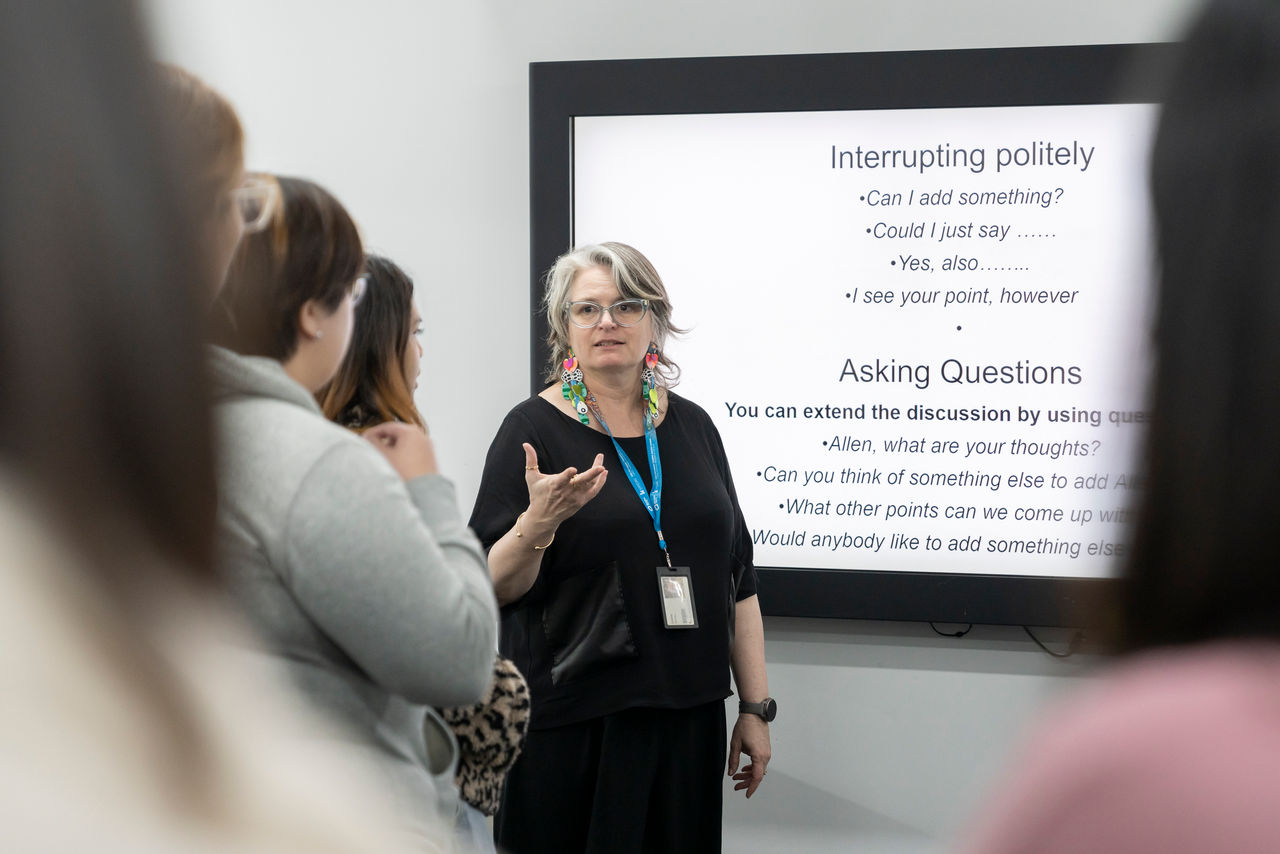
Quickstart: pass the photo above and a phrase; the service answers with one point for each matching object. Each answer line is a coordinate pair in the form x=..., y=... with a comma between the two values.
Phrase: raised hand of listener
x=408, y=448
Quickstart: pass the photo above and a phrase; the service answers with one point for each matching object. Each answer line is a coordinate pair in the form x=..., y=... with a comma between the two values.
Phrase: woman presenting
x=624, y=570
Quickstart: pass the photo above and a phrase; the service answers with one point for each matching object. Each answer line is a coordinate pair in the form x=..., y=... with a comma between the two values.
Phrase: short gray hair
x=634, y=277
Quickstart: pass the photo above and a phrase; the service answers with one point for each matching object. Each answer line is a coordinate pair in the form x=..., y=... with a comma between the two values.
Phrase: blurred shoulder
x=1160, y=694
x=1169, y=751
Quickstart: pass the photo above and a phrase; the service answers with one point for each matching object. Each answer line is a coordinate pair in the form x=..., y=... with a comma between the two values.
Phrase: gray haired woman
x=622, y=574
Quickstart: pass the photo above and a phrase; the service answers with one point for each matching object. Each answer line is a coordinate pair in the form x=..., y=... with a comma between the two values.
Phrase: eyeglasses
x=256, y=199
x=357, y=290
x=625, y=312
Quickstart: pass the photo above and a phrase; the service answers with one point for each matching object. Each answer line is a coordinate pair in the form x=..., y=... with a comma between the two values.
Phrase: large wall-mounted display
x=916, y=287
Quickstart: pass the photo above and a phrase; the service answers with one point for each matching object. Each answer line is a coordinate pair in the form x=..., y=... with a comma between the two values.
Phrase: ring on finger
x=573, y=479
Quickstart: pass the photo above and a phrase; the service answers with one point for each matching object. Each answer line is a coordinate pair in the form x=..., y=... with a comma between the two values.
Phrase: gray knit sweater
x=372, y=590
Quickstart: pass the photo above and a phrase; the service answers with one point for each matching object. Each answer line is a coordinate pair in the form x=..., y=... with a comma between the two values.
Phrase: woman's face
x=607, y=346
x=412, y=356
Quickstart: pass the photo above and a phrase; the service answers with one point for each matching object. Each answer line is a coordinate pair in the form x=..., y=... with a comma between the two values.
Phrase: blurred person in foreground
x=1175, y=749
x=132, y=720
x=628, y=595
x=226, y=201
x=374, y=385
x=347, y=552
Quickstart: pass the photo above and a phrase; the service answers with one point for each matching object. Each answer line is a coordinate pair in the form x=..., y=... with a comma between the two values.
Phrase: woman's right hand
x=408, y=448
x=555, y=497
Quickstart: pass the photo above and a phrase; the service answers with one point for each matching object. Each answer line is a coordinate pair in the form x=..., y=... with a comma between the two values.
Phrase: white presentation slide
x=923, y=334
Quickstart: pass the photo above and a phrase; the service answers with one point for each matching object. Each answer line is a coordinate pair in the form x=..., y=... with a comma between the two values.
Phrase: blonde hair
x=634, y=277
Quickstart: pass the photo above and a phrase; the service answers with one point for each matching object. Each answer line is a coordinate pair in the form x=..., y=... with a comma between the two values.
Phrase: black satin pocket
x=585, y=621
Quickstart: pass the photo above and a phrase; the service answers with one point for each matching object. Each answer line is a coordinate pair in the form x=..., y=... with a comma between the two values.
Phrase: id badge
x=675, y=590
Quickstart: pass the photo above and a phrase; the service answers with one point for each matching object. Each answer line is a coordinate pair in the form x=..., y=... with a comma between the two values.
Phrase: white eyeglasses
x=257, y=199
x=586, y=314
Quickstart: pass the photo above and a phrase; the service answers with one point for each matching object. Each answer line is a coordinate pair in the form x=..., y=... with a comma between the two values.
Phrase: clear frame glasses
x=586, y=314
x=256, y=198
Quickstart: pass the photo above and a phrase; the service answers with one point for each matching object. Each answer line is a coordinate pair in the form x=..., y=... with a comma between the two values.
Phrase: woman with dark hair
x=376, y=380
x=1175, y=749
x=130, y=720
x=348, y=553
x=375, y=385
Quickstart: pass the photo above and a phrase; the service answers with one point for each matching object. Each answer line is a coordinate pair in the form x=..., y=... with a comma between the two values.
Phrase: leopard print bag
x=490, y=736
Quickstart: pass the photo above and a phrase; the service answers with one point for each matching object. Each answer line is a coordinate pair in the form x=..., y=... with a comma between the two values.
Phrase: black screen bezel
x=1080, y=74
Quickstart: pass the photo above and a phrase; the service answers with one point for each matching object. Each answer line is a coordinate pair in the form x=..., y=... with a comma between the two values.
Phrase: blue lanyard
x=652, y=500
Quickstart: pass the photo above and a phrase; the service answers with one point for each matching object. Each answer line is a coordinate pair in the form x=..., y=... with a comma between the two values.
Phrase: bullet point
x=848, y=296
x=780, y=507
x=892, y=263
x=824, y=443
x=862, y=198
x=957, y=329
x=868, y=231
x=758, y=474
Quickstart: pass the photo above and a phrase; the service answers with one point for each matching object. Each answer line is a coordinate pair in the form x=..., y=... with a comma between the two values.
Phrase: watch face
x=769, y=709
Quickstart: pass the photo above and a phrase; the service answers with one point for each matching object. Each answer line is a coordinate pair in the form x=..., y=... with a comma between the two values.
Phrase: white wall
x=415, y=114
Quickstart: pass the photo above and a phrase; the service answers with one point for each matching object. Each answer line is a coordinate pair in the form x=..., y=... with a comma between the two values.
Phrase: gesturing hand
x=555, y=497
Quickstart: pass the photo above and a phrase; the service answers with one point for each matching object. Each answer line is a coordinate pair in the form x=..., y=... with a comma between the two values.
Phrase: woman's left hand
x=750, y=736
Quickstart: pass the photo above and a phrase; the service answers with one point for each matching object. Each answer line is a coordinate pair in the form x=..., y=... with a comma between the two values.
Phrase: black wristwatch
x=766, y=709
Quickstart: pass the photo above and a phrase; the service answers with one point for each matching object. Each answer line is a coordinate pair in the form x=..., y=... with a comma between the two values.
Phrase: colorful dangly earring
x=649, y=384
x=572, y=387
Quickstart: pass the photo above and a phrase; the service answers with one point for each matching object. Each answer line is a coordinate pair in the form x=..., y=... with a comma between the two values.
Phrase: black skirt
x=640, y=780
